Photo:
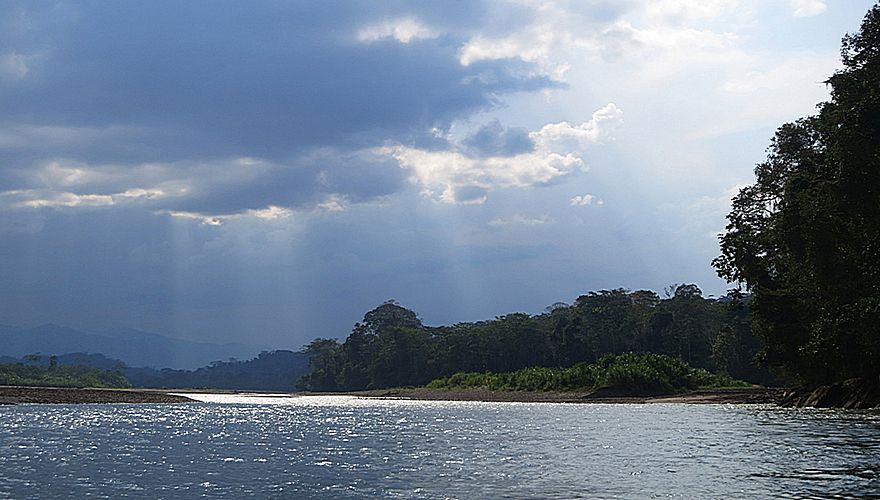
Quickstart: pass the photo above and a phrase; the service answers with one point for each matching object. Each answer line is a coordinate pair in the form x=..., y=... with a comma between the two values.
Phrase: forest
x=60, y=376
x=391, y=347
x=269, y=371
x=804, y=239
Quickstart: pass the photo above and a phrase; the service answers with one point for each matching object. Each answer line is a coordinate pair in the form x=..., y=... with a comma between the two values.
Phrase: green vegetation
x=60, y=376
x=629, y=373
x=805, y=238
x=391, y=347
x=270, y=371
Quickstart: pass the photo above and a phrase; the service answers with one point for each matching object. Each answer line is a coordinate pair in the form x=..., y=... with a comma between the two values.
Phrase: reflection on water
x=344, y=447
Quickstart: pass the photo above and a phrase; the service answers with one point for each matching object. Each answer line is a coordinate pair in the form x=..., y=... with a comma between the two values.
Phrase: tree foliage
x=628, y=373
x=59, y=376
x=391, y=347
x=805, y=237
x=269, y=371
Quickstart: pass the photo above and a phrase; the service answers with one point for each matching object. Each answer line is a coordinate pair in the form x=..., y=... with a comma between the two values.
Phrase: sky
x=267, y=172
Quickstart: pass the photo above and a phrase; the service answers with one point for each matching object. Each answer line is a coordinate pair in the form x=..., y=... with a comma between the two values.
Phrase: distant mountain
x=133, y=347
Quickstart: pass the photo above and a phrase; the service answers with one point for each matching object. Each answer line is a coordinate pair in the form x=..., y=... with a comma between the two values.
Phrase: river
x=345, y=447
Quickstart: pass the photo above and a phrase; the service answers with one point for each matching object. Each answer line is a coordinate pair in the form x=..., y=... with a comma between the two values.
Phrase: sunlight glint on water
x=268, y=446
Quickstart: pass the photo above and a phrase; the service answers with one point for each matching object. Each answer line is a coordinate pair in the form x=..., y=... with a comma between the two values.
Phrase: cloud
x=533, y=44
x=404, y=30
x=333, y=203
x=559, y=35
x=584, y=200
x=293, y=86
x=493, y=139
x=229, y=162
x=51, y=199
x=462, y=178
x=269, y=213
x=232, y=119
x=688, y=10
x=325, y=180
x=521, y=220
x=564, y=136
x=807, y=8
x=536, y=44
x=177, y=115
x=207, y=220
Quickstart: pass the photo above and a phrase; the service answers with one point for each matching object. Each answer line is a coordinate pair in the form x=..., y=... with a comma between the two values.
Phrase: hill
x=133, y=347
x=270, y=371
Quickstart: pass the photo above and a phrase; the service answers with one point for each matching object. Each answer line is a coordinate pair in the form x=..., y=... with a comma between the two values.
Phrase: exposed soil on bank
x=66, y=395
x=719, y=396
x=855, y=393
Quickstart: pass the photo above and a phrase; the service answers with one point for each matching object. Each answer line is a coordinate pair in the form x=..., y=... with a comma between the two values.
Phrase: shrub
x=630, y=373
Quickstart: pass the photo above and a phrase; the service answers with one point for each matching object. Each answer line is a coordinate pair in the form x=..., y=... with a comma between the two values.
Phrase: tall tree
x=805, y=238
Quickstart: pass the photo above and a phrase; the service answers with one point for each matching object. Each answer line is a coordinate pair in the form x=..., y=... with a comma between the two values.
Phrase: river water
x=344, y=447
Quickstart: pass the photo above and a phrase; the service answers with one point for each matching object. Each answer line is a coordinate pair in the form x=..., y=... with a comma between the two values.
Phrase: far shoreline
x=11, y=395
x=756, y=395
x=69, y=395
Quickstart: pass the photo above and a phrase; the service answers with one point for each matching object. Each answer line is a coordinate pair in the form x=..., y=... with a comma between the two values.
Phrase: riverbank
x=852, y=394
x=758, y=395
x=68, y=395
x=58, y=395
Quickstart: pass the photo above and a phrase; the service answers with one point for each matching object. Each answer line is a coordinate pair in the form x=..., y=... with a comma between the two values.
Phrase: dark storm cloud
x=302, y=183
x=130, y=83
x=218, y=79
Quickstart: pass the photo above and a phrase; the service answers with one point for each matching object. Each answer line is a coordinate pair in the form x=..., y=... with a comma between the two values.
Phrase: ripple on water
x=233, y=446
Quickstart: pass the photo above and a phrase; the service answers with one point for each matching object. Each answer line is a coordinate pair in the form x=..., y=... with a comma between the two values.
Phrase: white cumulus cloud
x=564, y=136
x=462, y=179
x=404, y=30
x=668, y=33
x=582, y=200
x=456, y=177
x=269, y=213
x=533, y=44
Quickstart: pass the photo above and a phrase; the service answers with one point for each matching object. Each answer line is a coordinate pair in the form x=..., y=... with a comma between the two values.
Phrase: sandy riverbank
x=719, y=396
x=68, y=395
x=63, y=395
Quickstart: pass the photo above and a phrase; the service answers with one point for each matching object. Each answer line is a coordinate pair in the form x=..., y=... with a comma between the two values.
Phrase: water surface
x=344, y=447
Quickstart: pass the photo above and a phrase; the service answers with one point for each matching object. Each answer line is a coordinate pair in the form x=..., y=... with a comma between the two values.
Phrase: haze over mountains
x=135, y=348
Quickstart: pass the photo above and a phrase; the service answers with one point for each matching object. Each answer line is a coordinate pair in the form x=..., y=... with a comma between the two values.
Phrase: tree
x=391, y=347
x=390, y=314
x=33, y=358
x=805, y=238
x=323, y=366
